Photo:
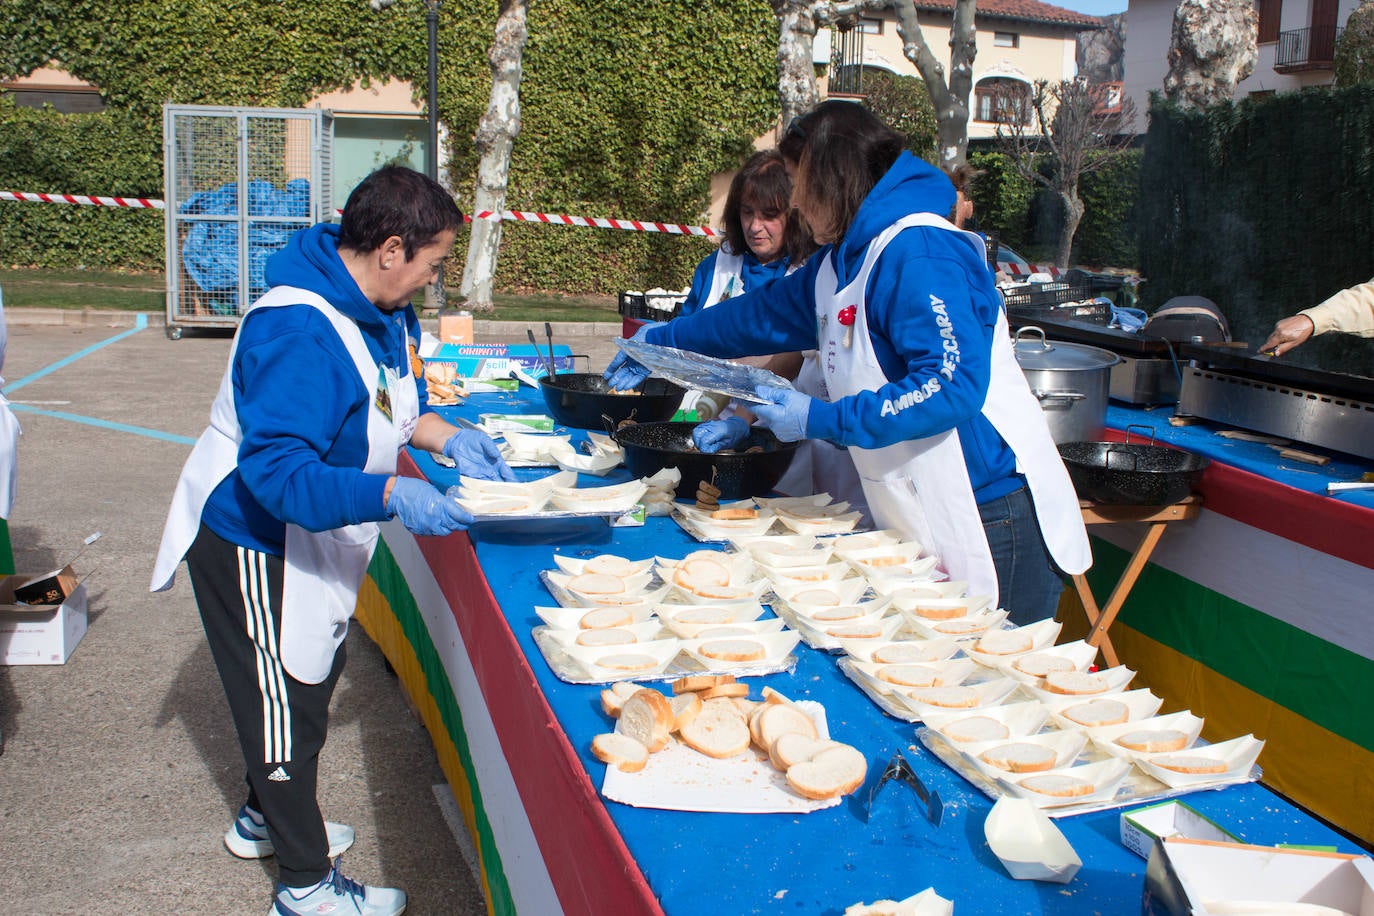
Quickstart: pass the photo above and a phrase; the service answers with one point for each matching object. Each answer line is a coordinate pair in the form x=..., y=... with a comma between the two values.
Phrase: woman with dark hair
x=924, y=388
x=277, y=507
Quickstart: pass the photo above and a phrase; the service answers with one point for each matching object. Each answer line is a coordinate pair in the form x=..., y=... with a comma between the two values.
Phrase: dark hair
x=962, y=176
x=840, y=150
x=763, y=183
x=395, y=200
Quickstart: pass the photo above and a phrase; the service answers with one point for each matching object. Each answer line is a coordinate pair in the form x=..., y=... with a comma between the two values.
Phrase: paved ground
x=120, y=770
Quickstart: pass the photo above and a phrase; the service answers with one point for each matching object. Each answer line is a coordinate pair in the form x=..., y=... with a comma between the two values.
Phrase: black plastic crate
x=1047, y=295
x=637, y=305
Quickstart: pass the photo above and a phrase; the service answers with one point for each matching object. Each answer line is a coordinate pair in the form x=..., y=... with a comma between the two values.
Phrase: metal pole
x=434, y=295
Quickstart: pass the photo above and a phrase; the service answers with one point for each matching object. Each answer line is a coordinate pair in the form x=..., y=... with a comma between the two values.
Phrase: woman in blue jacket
x=923, y=386
x=276, y=510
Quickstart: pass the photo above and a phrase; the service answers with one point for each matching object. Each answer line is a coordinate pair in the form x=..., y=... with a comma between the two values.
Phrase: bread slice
x=816, y=597
x=608, y=564
x=738, y=513
x=778, y=719
x=1039, y=664
x=838, y=614
x=609, y=636
x=628, y=661
x=1075, y=682
x=1098, y=712
x=773, y=696
x=940, y=613
x=902, y=653
x=614, y=697
x=1058, y=785
x=686, y=707
x=603, y=618
x=794, y=748
x=734, y=650
x=963, y=626
x=620, y=751
x=976, y=728
x=909, y=675
x=721, y=592
x=833, y=772
x=1194, y=764
x=596, y=584
x=855, y=631
x=1004, y=642
x=705, y=614
x=1019, y=757
x=719, y=730
x=648, y=718
x=700, y=572
x=732, y=691
x=954, y=697
x=880, y=908
x=1154, y=740
x=694, y=682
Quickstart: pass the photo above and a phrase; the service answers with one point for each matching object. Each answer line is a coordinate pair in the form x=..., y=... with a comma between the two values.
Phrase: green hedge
x=628, y=109
x=1265, y=207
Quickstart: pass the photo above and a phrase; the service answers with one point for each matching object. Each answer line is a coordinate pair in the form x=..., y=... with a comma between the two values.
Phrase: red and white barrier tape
x=138, y=203
x=562, y=219
x=1017, y=270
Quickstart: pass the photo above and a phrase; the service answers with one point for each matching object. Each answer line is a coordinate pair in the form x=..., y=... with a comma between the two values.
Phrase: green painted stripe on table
x=1275, y=659
x=391, y=582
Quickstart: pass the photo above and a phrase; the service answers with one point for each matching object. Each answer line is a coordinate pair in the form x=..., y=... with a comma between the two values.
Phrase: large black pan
x=584, y=400
x=651, y=447
x=1131, y=473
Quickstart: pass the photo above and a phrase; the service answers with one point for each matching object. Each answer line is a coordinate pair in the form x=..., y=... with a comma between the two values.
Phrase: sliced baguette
x=694, y=682
x=1154, y=740
x=732, y=691
x=608, y=564
x=1058, y=785
x=940, y=613
x=590, y=583
x=794, y=748
x=1075, y=682
x=1098, y=712
x=734, y=650
x=609, y=636
x=1194, y=764
x=735, y=514
x=1019, y=757
x=953, y=697
x=1040, y=664
x=648, y=718
x=620, y=751
x=778, y=719
x=603, y=618
x=719, y=730
x=628, y=661
x=976, y=728
x=902, y=653
x=1004, y=642
x=686, y=707
x=833, y=772
x=909, y=675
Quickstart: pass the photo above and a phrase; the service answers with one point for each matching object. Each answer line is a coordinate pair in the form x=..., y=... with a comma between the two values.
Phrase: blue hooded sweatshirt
x=919, y=265
x=302, y=406
x=753, y=276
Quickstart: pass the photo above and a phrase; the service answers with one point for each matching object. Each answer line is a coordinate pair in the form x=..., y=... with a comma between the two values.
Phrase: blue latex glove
x=423, y=509
x=718, y=435
x=624, y=373
x=786, y=412
x=477, y=456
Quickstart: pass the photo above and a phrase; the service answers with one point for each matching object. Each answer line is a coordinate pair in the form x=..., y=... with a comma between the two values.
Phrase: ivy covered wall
x=629, y=108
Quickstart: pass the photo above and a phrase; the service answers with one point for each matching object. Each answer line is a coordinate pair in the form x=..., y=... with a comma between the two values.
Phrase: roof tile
x=1026, y=10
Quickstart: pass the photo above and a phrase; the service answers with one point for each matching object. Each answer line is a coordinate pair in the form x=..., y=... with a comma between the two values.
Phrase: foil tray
x=569, y=671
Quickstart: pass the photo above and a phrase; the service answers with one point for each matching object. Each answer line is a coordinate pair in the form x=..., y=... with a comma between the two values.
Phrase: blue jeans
x=1027, y=578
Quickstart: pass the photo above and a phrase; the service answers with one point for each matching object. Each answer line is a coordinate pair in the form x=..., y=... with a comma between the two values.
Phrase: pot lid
x=1033, y=351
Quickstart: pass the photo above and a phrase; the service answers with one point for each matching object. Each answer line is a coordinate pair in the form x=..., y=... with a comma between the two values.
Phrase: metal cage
x=236, y=175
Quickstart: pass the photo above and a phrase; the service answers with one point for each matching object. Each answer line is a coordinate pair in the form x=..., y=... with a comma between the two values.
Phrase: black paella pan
x=752, y=469
x=1132, y=473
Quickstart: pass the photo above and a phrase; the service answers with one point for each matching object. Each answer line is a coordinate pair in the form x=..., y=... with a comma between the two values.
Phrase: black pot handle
x=1149, y=429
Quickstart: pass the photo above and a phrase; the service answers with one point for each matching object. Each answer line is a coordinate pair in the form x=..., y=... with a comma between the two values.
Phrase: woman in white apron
x=923, y=387
x=277, y=508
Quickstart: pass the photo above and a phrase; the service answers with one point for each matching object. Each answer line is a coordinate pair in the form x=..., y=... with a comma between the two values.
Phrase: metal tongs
x=899, y=769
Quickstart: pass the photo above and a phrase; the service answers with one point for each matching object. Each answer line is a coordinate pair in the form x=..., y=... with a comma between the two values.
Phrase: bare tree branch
x=949, y=97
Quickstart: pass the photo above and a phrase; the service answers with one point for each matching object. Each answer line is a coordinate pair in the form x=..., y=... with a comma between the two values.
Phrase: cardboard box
x=41, y=634
x=1141, y=827
x=1185, y=877
x=493, y=361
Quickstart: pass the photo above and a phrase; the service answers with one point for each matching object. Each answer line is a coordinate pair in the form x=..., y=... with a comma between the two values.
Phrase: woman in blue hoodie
x=924, y=388
x=277, y=507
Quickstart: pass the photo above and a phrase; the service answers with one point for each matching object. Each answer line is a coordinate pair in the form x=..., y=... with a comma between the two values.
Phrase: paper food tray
x=720, y=535
x=680, y=779
x=694, y=370
x=1135, y=789
x=682, y=664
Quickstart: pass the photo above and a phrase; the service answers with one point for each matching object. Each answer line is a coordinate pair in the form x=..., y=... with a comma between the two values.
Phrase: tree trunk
x=796, y=64
x=950, y=98
x=1213, y=47
x=496, y=133
x=1073, y=215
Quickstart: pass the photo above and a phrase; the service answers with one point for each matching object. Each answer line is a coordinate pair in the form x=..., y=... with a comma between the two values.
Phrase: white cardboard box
x=1140, y=827
x=1188, y=877
x=39, y=634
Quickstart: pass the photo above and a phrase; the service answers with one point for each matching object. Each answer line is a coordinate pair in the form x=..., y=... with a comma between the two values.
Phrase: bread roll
x=646, y=717
x=902, y=653
x=1004, y=642
x=1098, y=712
x=833, y=772
x=1039, y=664
x=1058, y=785
x=909, y=675
x=719, y=730
x=1154, y=740
x=1075, y=682
x=620, y=751
x=1193, y=764
x=734, y=650
x=976, y=728
x=957, y=697
x=602, y=618
x=1019, y=757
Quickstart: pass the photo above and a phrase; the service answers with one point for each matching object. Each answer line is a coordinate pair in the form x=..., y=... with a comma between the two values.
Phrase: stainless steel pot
x=1071, y=382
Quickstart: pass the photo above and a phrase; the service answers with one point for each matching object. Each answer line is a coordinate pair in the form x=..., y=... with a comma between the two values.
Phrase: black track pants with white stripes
x=281, y=722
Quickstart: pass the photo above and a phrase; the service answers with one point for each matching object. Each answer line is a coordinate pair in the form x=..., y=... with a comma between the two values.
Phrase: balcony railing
x=846, y=63
x=1306, y=49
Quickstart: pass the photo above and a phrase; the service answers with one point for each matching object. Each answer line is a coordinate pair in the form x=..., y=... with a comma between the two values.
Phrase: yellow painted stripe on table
x=1314, y=766
x=375, y=616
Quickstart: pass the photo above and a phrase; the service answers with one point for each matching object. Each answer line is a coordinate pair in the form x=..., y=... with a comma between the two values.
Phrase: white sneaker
x=337, y=894
x=248, y=839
